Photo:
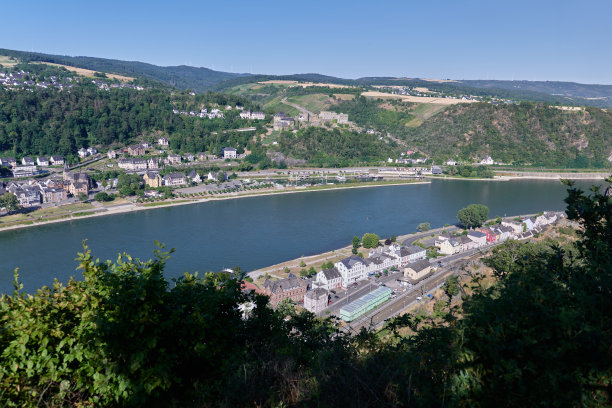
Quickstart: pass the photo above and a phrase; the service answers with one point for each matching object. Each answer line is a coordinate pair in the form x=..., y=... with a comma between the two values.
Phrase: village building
x=57, y=160
x=316, y=300
x=82, y=153
x=152, y=164
x=478, y=238
x=152, y=179
x=28, y=161
x=162, y=141
x=42, y=161
x=329, y=278
x=132, y=164
x=174, y=159
x=352, y=269
x=194, y=177
x=229, y=153
x=92, y=151
x=25, y=171
x=326, y=116
x=282, y=121
x=136, y=150
x=174, y=179
x=417, y=271
x=111, y=154
x=292, y=288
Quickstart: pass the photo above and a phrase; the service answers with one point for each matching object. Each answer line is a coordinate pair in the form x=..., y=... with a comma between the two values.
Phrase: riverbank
x=134, y=207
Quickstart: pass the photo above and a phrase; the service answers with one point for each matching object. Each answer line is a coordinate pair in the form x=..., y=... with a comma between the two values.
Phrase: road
x=298, y=107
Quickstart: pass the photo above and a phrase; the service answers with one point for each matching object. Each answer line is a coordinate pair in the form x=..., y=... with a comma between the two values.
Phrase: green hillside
x=527, y=134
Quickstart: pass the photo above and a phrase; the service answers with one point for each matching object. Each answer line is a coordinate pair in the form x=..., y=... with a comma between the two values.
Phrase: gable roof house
x=28, y=161
x=479, y=238
x=352, y=269
x=291, y=287
x=152, y=179
x=194, y=177
x=174, y=179
x=329, y=278
x=57, y=160
x=42, y=161
x=417, y=271
x=315, y=300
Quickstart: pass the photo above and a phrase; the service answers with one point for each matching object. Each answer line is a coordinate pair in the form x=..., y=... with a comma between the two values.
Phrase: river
x=259, y=231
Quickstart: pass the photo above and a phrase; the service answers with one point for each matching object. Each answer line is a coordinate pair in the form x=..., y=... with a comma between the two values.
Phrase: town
x=393, y=268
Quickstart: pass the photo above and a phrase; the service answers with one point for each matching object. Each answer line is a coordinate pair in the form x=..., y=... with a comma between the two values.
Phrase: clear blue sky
x=459, y=39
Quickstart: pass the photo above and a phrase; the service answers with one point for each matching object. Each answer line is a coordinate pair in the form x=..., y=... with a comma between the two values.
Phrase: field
x=89, y=72
x=277, y=106
x=303, y=84
x=417, y=99
x=6, y=61
x=425, y=111
x=313, y=102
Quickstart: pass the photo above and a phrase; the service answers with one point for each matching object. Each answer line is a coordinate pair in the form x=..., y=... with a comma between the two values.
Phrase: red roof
x=250, y=286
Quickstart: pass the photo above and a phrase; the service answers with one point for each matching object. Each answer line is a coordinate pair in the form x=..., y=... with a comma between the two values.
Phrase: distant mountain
x=204, y=79
x=182, y=76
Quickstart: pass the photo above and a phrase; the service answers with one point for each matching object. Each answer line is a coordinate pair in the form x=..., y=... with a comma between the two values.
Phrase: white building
x=162, y=141
x=352, y=269
x=229, y=153
x=315, y=300
x=487, y=160
x=329, y=278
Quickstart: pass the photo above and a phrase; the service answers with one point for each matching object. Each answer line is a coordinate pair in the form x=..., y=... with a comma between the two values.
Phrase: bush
x=370, y=240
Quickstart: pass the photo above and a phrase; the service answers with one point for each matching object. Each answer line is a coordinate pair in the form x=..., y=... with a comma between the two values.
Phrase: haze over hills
x=201, y=79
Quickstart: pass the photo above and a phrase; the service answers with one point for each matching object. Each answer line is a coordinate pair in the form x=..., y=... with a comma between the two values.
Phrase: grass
x=270, y=138
x=161, y=203
x=88, y=72
x=425, y=111
x=313, y=102
x=277, y=106
x=5, y=61
x=83, y=214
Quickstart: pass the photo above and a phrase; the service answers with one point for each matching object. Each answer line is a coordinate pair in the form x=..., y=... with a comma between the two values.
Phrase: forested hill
x=183, y=77
x=526, y=133
x=48, y=122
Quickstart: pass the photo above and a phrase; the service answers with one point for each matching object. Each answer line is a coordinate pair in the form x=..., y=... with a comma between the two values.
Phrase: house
x=530, y=223
x=28, y=161
x=326, y=116
x=292, y=288
x=162, y=141
x=329, y=278
x=450, y=246
x=466, y=243
x=451, y=162
x=174, y=159
x=42, y=161
x=411, y=253
x=282, y=121
x=487, y=160
x=189, y=157
x=436, y=170
x=152, y=164
x=478, y=238
x=78, y=187
x=6, y=161
x=315, y=300
x=92, y=150
x=152, y=179
x=174, y=179
x=111, y=154
x=351, y=269
x=417, y=271
x=202, y=156
x=132, y=164
x=25, y=171
x=380, y=261
x=517, y=227
x=546, y=218
x=258, y=116
x=52, y=194
x=27, y=196
x=490, y=234
x=136, y=150
x=57, y=160
x=82, y=152
x=228, y=153
x=245, y=115
x=194, y=177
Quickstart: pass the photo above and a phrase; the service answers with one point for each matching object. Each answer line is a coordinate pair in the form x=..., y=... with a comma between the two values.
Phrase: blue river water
x=259, y=231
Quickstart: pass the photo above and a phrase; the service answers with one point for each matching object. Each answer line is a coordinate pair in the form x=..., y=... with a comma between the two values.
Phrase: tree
x=9, y=201
x=451, y=287
x=424, y=226
x=474, y=215
x=370, y=240
x=103, y=196
x=356, y=241
x=82, y=196
x=302, y=263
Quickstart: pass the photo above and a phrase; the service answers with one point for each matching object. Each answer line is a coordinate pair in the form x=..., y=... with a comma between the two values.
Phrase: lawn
x=277, y=106
x=5, y=61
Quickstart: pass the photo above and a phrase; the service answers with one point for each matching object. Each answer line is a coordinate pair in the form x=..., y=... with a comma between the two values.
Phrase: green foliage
x=370, y=240
x=82, y=197
x=130, y=184
x=50, y=122
x=469, y=171
x=334, y=148
x=474, y=215
x=424, y=226
x=367, y=113
x=302, y=263
x=9, y=201
x=356, y=241
x=103, y=196
x=523, y=134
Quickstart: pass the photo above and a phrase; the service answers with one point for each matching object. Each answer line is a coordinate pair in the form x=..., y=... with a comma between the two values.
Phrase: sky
x=459, y=39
